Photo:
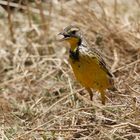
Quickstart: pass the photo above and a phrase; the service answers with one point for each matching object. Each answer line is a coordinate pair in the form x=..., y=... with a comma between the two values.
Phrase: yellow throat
x=73, y=43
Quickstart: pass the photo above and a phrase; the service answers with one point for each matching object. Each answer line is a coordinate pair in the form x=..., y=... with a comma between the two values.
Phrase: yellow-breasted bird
x=87, y=63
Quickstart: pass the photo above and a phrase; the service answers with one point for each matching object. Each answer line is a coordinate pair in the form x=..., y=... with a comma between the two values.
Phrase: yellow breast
x=89, y=73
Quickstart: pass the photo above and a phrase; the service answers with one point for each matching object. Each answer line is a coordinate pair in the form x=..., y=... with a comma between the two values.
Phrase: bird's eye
x=73, y=32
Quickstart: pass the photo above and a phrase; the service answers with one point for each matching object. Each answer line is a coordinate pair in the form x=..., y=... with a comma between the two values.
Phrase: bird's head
x=72, y=35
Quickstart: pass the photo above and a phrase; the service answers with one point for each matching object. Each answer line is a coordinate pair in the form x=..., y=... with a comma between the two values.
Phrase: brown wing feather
x=102, y=63
x=92, y=52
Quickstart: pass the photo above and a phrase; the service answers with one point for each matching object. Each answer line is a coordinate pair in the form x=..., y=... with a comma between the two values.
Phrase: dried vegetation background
x=39, y=96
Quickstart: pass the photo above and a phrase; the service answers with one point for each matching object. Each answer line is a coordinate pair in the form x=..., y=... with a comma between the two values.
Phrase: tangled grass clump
x=39, y=95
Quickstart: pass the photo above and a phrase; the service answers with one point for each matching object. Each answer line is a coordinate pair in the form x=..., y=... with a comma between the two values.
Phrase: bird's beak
x=65, y=36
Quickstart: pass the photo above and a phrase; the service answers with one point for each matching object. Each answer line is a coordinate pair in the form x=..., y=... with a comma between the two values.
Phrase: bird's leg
x=90, y=93
x=103, y=96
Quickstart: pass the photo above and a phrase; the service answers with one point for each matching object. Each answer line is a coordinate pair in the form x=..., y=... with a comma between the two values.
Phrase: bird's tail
x=112, y=88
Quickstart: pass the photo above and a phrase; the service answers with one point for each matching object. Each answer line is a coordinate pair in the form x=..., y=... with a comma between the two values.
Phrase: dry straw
x=39, y=96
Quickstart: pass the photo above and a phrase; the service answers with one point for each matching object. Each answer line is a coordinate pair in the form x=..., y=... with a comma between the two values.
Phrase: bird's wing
x=101, y=61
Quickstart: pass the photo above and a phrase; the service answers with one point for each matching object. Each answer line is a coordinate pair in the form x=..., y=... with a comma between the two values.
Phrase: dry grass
x=39, y=96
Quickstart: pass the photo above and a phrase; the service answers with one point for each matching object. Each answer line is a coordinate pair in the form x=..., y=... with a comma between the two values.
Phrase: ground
x=39, y=95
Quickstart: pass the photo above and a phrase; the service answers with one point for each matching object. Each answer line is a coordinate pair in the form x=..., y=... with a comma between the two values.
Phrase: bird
x=87, y=63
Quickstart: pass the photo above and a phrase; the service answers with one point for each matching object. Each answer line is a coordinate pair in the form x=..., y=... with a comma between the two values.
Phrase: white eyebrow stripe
x=71, y=27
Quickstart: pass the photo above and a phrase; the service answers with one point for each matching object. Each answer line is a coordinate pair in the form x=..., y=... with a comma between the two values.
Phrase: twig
x=29, y=14
x=115, y=9
x=10, y=22
x=116, y=60
x=39, y=6
x=120, y=125
x=127, y=65
x=132, y=89
x=40, y=99
x=70, y=129
x=138, y=2
x=12, y=4
x=134, y=126
x=36, y=128
x=102, y=8
x=66, y=96
x=127, y=124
